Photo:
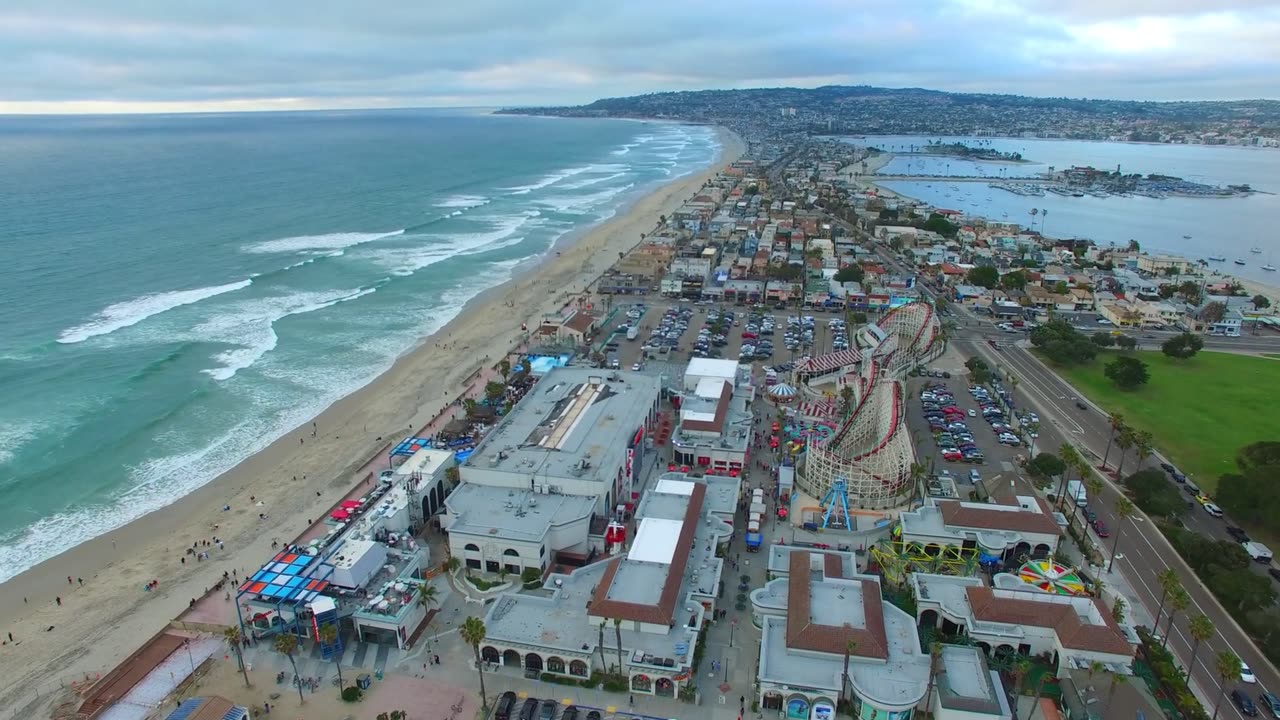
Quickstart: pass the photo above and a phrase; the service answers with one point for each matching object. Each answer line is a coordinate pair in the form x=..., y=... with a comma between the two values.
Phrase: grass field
x=1200, y=411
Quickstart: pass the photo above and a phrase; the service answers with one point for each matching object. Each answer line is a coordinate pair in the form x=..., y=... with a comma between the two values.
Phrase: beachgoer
x=59, y=599
x=69, y=580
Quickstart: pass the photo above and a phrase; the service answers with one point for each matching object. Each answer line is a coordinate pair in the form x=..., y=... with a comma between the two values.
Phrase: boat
x=1186, y=237
x=1255, y=250
x=1217, y=258
x=1077, y=194
x=1239, y=262
x=1269, y=268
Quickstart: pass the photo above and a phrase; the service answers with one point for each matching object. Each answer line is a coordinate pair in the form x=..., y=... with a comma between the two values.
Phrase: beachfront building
x=966, y=688
x=714, y=432
x=866, y=460
x=814, y=613
x=1071, y=631
x=656, y=593
x=360, y=569
x=212, y=707
x=1008, y=531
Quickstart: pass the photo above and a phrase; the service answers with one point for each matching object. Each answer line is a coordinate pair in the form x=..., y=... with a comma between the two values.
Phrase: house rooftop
x=512, y=514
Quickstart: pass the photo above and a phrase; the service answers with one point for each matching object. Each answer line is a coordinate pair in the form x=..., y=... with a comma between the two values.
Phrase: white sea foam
x=13, y=435
x=402, y=262
x=624, y=149
x=549, y=180
x=465, y=202
x=131, y=312
x=251, y=326
x=582, y=204
x=306, y=243
x=592, y=181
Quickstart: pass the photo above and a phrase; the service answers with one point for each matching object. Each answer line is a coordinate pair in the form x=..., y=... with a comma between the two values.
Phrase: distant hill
x=867, y=109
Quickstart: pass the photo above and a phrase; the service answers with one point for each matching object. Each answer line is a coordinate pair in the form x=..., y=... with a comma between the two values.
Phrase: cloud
x=242, y=54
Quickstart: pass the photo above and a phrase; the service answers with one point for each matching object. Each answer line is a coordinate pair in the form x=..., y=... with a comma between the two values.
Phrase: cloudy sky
x=141, y=55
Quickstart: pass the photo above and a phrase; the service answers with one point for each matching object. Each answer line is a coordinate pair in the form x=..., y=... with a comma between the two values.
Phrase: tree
x=1190, y=292
x=1016, y=280
x=1183, y=346
x=469, y=406
x=1134, y=246
x=1124, y=510
x=1260, y=302
x=473, y=633
x=1178, y=601
x=494, y=391
x=617, y=630
x=1168, y=581
x=935, y=656
x=852, y=272
x=983, y=276
x=1228, y=667
x=1117, y=610
x=1124, y=441
x=1070, y=458
x=504, y=368
x=846, y=400
x=1061, y=343
x=849, y=648
x=1155, y=495
x=1201, y=628
x=285, y=643
x=1046, y=465
x=1103, y=339
x=329, y=636
x=1246, y=591
x=236, y=640
x=1126, y=343
x=451, y=564
x=1213, y=312
x=1116, y=681
x=1116, y=421
x=979, y=372
x=1061, y=288
x=1128, y=373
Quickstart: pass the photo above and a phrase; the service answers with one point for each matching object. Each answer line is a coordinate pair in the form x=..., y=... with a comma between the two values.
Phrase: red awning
x=339, y=514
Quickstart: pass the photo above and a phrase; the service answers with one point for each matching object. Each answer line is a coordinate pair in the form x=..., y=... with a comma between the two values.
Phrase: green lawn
x=1200, y=411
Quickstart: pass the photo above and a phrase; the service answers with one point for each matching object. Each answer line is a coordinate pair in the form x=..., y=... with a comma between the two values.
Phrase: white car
x=635, y=367
x=973, y=413
x=1246, y=675
x=1103, y=321
x=1213, y=510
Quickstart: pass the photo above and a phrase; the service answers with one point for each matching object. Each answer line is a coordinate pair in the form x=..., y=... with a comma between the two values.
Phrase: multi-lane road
x=1144, y=553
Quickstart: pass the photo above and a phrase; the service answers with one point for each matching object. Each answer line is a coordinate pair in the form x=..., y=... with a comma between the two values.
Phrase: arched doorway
x=798, y=707
x=664, y=687
x=577, y=668
x=472, y=562
x=986, y=648
x=511, y=658
x=511, y=558
x=489, y=654
x=772, y=701
x=929, y=619
x=533, y=661
x=1042, y=551
x=555, y=665
x=641, y=683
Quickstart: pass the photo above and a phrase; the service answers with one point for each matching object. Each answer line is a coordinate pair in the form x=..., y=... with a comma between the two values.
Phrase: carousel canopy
x=782, y=390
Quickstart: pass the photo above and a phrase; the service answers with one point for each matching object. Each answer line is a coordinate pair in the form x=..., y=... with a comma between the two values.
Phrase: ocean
x=1229, y=227
x=179, y=291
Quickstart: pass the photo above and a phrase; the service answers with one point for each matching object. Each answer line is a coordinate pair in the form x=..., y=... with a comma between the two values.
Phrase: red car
x=952, y=455
x=748, y=335
x=1101, y=528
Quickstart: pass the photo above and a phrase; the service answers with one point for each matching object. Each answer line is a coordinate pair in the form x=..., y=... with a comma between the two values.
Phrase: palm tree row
x=1126, y=438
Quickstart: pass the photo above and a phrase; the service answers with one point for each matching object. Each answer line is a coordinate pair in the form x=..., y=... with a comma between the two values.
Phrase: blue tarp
x=754, y=540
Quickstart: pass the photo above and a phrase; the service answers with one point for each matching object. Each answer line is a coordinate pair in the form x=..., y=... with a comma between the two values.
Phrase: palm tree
x=935, y=656
x=1044, y=677
x=285, y=643
x=428, y=595
x=1229, y=667
x=234, y=639
x=1116, y=421
x=452, y=564
x=329, y=636
x=504, y=367
x=1201, y=628
x=1178, y=601
x=1124, y=510
x=600, y=644
x=617, y=633
x=472, y=632
x=1124, y=440
x=1116, y=681
x=849, y=647
x=1070, y=457
x=917, y=473
x=1167, y=580
x=1142, y=446
x=1019, y=666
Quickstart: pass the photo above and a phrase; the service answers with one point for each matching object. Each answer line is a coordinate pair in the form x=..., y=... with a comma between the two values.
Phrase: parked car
x=506, y=704
x=1238, y=534
x=529, y=709
x=1213, y=510
x=548, y=711
x=570, y=713
x=1246, y=675
x=1101, y=528
x=1271, y=703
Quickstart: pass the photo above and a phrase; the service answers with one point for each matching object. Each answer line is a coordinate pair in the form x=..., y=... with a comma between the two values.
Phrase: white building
x=714, y=432
x=809, y=616
x=1025, y=526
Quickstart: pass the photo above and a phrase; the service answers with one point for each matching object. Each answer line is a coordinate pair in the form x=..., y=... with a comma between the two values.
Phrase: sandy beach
x=79, y=613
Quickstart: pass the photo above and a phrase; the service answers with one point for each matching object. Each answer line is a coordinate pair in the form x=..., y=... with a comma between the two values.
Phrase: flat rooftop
x=965, y=682
x=507, y=513
x=720, y=495
x=574, y=423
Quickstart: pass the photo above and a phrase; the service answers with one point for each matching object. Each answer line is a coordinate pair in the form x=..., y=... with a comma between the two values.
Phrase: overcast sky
x=157, y=55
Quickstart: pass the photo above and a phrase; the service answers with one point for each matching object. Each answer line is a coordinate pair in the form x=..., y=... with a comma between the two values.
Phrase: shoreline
x=294, y=479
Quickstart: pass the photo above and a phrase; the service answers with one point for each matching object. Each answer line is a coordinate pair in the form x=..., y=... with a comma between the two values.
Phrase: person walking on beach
x=59, y=599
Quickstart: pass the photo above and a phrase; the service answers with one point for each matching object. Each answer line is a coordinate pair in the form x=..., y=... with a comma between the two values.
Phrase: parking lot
x=669, y=333
x=958, y=432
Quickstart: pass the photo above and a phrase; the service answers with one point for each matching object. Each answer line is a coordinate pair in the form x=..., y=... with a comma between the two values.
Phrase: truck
x=633, y=332
x=754, y=539
x=1259, y=552
x=1076, y=491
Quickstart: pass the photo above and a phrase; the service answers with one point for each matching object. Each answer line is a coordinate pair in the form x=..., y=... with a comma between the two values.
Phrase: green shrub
x=559, y=679
x=351, y=693
x=483, y=585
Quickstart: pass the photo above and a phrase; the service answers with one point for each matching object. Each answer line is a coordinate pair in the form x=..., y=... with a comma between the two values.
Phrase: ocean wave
x=251, y=327
x=548, y=180
x=403, y=262
x=466, y=202
x=592, y=181
x=626, y=148
x=582, y=204
x=308, y=243
x=14, y=435
x=131, y=312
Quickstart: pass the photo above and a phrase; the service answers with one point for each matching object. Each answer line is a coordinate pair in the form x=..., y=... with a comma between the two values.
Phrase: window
x=542, y=551
x=472, y=547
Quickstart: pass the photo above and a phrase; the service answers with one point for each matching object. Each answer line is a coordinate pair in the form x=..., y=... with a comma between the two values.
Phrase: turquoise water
x=181, y=290
x=1217, y=226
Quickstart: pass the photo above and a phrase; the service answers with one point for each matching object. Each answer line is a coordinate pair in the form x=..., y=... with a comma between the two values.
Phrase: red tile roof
x=965, y=515
x=664, y=612
x=722, y=411
x=1071, y=631
x=805, y=634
